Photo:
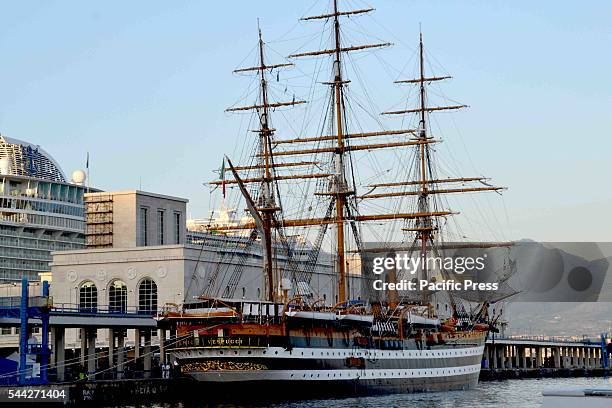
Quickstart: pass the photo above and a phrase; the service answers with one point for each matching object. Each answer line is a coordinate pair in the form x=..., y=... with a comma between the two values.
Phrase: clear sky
x=142, y=86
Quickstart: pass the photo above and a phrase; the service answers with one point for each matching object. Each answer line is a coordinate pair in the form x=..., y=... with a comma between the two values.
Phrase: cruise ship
x=40, y=210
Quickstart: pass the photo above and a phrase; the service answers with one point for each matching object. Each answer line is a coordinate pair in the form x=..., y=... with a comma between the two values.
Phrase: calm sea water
x=509, y=393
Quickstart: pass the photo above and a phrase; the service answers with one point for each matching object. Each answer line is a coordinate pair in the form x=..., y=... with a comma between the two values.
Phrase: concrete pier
x=162, y=348
x=59, y=352
x=83, y=335
x=146, y=354
x=137, y=343
x=532, y=357
x=91, y=353
x=120, y=355
x=111, y=347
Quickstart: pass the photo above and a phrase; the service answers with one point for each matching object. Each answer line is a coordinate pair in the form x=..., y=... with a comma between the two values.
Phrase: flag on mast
x=222, y=176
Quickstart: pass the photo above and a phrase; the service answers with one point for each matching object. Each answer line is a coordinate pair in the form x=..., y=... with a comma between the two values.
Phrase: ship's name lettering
x=224, y=341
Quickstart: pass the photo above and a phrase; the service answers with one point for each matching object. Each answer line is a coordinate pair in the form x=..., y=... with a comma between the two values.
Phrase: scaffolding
x=98, y=221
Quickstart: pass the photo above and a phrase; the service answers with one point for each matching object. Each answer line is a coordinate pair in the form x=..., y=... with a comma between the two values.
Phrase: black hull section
x=261, y=391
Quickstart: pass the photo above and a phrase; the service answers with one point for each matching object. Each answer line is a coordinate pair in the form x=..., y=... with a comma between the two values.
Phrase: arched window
x=147, y=296
x=88, y=297
x=117, y=297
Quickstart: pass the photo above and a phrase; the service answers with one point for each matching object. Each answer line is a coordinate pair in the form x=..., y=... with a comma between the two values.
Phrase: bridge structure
x=26, y=311
x=538, y=352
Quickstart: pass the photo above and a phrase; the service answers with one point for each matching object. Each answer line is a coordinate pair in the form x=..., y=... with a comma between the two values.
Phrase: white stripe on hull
x=327, y=353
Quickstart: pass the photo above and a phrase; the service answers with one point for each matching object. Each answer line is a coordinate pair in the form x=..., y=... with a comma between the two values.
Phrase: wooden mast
x=425, y=224
x=268, y=206
x=425, y=227
x=340, y=184
x=341, y=191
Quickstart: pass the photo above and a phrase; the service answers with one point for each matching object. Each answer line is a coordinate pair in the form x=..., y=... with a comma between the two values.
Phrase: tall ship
x=353, y=338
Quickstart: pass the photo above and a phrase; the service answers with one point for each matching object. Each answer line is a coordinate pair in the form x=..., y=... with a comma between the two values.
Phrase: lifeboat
x=481, y=327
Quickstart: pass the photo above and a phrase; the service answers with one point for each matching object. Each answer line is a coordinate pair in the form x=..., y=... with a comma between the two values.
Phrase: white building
x=134, y=259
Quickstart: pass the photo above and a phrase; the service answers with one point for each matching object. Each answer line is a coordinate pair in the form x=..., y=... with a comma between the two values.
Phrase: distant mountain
x=565, y=318
x=559, y=318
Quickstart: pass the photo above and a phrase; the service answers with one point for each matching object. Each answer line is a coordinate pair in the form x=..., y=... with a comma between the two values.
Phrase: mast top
x=262, y=65
x=260, y=70
x=421, y=80
x=337, y=14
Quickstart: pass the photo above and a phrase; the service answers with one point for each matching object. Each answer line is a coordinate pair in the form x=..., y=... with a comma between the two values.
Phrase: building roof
x=137, y=192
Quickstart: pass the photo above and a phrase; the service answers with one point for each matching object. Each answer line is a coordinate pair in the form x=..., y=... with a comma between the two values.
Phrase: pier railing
x=72, y=308
x=549, y=339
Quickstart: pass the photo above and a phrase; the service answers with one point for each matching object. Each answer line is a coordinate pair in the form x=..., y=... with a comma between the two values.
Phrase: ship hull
x=361, y=371
x=253, y=391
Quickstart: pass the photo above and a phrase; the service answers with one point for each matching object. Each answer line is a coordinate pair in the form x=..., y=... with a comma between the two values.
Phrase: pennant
x=222, y=176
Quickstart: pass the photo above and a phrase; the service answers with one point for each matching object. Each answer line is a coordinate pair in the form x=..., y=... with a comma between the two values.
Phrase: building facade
x=134, y=258
x=40, y=210
x=127, y=219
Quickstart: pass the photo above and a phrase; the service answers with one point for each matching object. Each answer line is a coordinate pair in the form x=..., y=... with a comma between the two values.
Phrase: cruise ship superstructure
x=40, y=210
